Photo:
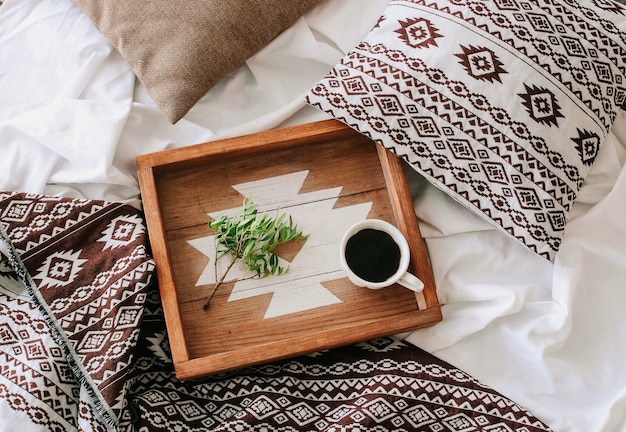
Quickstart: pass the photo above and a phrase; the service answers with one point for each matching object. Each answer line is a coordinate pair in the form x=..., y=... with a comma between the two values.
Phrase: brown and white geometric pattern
x=86, y=270
x=503, y=104
x=83, y=346
x=38, y=386
x=382, y=385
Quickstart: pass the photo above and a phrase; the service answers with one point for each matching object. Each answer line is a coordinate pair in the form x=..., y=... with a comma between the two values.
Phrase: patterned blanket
x=83, y=346
x=74, y=276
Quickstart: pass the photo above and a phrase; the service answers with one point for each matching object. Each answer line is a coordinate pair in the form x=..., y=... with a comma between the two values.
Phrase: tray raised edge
x=429, y=311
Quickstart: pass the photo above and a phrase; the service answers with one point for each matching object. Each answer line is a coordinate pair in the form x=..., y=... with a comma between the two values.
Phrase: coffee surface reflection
x=373, y=255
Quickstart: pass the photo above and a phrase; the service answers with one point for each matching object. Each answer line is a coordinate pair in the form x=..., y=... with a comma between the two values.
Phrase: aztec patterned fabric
x=74, y=276
x=80, y=268
x=38, y=389
x=503, y=104
x=380, y=385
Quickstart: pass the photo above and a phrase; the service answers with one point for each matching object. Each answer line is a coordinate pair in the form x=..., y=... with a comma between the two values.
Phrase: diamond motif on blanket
x=461, y=149
x=17, y=211
x=425, y=127
x=419, y=416
x=59, y=269
x=495, y=172
x=340, y=412
x=225, y=411
x=64, y=372
x=379, y=409
x=122, y=231
x=528, y=198
x=35, y=350
x=7, y=336
x=389, y=105
x=460, y=423
x=573, y=47
x=128, y=317
x=557, y=220
x=355, y=85
x=94, y=341
x=263, y=407
x=155, y=398
x=189, y=410
x=506, y=5
x=540, y=23
x=301, y=413
x=603, y=72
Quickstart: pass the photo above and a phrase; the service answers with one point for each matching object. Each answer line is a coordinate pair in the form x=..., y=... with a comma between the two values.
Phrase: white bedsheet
x=551, y=336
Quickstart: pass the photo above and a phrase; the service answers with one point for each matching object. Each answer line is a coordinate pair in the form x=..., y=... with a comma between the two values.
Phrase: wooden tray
x=346, y=177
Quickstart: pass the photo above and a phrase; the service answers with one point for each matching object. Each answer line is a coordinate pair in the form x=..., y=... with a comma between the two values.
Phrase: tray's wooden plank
x=406, y=222
x=160, y=252
x=200, y=187
x=304, y=344
x=231, y=326
x=181, y=187
x=249, y=144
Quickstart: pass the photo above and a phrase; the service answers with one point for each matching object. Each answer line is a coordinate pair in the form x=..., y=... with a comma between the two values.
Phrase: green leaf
x=250, y=237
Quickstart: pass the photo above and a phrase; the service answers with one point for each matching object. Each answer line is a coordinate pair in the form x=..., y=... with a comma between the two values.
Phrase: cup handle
x=411, y=282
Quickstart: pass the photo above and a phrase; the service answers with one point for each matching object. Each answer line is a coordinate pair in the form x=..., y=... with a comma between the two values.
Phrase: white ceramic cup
x=400, y=276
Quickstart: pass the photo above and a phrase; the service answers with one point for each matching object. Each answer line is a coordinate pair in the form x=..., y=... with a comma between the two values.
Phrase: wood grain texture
x=181, y=187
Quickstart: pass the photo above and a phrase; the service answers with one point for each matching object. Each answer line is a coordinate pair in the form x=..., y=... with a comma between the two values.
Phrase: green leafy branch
x=250, y=237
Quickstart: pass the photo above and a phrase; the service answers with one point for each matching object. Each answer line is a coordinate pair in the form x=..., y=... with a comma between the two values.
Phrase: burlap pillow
x=179, y=50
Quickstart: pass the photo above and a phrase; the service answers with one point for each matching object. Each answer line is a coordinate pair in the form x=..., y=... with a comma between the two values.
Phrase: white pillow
x=503, y=104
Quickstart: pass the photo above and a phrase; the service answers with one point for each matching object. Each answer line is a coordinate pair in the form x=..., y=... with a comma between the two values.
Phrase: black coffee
x=372, y=255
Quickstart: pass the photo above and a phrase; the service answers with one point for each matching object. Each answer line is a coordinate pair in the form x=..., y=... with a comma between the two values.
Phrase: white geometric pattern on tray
x=316, y=257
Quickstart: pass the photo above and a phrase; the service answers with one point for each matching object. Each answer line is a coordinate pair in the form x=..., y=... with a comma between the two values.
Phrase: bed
x=518, y=185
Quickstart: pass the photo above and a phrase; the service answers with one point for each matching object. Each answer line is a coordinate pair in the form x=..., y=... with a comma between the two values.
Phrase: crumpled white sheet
x=73, y=117
x=551, y=336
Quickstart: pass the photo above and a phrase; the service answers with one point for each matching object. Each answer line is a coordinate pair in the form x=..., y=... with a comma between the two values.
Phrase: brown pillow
x=179, y=50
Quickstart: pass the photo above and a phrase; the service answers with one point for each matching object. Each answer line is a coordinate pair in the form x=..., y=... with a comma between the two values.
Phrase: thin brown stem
x=207, y=302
